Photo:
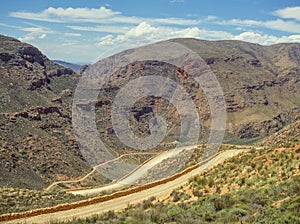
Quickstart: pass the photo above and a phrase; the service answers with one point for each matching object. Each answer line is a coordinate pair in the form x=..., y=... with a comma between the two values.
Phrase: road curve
x=95, y=169
x=133, y=176
x=117, y=204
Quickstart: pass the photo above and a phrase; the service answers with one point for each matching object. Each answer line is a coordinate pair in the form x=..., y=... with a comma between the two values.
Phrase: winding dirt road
x=95, y=169
x=117, y=204
x=134, y=175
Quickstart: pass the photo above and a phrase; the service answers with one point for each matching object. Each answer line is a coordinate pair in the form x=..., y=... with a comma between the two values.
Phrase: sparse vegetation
x=18, y=200
x=260, y=205
x=259, y=186
x=252, y=169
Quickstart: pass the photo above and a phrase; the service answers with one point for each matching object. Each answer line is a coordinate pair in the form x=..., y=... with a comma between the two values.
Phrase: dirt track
x=94, y=170
x=131, y=178
x=160, y=191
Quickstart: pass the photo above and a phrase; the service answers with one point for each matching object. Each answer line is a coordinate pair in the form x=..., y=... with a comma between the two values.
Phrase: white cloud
x=195, y=32
x=288, y=26
x=34, y=29
x=175, y=21
x=147, y=33
x=27, y=37
x=67, y=14
x=72, y=35
x=101, y=15
x=143, y=30
x=34, y=32
x=106, y=40
x=238, y=22
x=289, y=13
x=4, y=24
x=34, y=16
x=264, y=39
x=70, y=12
x=192, y=15
x=153, y=21
x=8, y=25
x=42, y=36
x=281, y=24
x=105, y=29
x=210, y=17
x=177, y=1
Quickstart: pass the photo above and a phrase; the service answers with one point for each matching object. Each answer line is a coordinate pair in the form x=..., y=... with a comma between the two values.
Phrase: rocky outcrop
x=233, y=58
x=59, y=72
x=27, y=63
x=32, y=55
x=233, y=103
x=142, y=112
x=211, y=60
x=288, y=136
x=260, y=86
x=82, y=69
x=34, y=113
x=255, y=63
x=268, y=127
x=5, y=57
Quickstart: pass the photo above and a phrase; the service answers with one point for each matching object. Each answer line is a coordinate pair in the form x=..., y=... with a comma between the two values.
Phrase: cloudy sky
x=84, y=31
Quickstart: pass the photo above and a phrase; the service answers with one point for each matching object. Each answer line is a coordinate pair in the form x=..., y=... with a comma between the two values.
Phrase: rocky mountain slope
x=260, y=83
x=289, y=136
x=36, y=141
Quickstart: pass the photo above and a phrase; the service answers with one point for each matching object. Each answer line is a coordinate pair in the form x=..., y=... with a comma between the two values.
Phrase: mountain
x=260, y=84
x=37, y=143
x=74, y=67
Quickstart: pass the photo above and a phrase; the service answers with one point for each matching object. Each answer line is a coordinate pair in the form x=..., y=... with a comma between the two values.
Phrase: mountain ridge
x=75, y=67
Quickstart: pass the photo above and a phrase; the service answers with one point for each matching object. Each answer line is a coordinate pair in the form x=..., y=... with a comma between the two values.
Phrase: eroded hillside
x=260, y=85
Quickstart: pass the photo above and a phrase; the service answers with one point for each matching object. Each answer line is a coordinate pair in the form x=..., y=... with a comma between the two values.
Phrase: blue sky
x=84, y=31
